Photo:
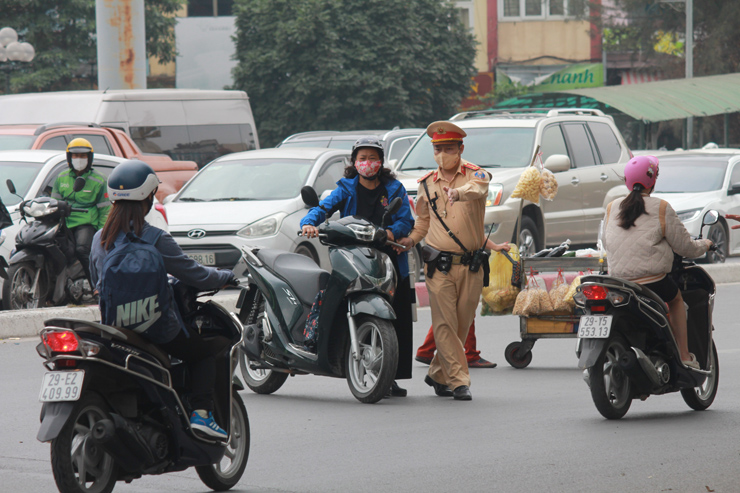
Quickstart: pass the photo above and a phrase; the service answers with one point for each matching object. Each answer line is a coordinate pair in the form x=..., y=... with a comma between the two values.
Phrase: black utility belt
x=437, y=260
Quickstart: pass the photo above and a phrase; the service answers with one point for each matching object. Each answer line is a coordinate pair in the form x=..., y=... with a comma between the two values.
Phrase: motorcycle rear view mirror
x=10, y=185
x=710, y=218
x=391, y=209
x=308, y=194
x=79, y=184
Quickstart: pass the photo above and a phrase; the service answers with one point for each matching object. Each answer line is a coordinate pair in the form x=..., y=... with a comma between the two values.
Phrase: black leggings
x=404, y=326
x=83, y=242
x=200, y=356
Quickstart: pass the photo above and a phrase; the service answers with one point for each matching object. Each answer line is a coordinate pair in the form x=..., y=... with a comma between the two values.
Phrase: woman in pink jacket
x=640, y=235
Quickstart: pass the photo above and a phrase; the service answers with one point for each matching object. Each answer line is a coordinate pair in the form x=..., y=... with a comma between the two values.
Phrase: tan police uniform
x=453, y=296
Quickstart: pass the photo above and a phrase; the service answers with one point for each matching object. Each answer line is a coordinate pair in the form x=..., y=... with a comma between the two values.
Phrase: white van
x=186, y=124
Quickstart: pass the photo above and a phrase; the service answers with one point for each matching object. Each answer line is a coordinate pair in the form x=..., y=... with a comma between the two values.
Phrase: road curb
x=27, y=323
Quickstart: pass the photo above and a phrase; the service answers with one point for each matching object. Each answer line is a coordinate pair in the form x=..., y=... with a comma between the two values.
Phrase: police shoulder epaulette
x=471, y=166
x=424, y=177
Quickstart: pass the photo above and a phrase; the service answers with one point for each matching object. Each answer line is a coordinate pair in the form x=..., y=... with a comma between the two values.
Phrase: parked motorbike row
x=115, y=407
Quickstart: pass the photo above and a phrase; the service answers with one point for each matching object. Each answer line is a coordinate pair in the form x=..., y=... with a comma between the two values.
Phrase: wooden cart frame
x=554, y=326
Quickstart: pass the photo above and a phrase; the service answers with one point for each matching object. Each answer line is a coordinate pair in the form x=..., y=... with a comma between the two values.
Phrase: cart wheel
x=514, y=359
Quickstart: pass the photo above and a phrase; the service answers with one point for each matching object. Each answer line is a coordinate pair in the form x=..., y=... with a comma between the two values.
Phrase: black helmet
x=132, y=180
x=367, y=142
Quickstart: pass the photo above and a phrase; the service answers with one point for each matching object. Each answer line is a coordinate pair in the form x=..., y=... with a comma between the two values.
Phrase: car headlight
x=267, y=226
x=38, y=209
x=495, y=194
x=690, y=215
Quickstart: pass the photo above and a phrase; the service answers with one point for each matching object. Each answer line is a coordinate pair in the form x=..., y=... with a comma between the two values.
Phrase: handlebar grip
x=233, y=282
x=300, y=232
x=713, y=248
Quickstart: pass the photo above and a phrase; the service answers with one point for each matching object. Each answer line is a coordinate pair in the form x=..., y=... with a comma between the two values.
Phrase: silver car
x=252, y=198
x=582, y=147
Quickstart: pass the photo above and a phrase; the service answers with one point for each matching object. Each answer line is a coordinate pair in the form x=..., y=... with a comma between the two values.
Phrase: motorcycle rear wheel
x=611, y=390
x=700, y=398
x=17, y=290
x=260, y=381
x=78, y=464
x=225, y=474
x=370, y=378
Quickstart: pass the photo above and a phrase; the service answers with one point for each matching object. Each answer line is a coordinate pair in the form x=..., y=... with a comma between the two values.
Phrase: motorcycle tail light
x=594, y=293
x=66, y=363
x=597, y=308
x=162, y=211
x=61, y=341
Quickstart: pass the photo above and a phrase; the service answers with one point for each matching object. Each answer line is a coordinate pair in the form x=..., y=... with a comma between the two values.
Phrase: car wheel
x=307, y=251
x=529, y=238
x=718, y=235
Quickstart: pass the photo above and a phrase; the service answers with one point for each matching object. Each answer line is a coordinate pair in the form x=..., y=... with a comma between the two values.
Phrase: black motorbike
x=626, y=345
x=356, y=339
x=43, y=269
x=116, y=406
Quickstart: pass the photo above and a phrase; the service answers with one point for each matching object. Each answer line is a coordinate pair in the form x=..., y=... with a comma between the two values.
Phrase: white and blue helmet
x=132, y=180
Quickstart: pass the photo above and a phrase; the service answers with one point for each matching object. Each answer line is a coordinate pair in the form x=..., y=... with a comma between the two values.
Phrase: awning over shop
x=671, y=99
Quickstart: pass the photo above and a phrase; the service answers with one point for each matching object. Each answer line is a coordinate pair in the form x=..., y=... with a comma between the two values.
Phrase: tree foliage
x=63, y=35
x=350, y=64
x=716, y=35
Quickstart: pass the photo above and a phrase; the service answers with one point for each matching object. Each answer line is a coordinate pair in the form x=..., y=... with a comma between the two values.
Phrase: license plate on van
x=59, y=386
x=595, y=326
x=203, y=258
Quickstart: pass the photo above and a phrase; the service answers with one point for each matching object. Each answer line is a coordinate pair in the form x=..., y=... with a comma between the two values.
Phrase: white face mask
x=79, y=163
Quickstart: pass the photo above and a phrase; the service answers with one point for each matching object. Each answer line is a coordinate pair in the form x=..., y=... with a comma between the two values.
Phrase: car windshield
x=248, y=179
x=16, y=142
x=22, y=175
x=687, y=175
x=509, y=147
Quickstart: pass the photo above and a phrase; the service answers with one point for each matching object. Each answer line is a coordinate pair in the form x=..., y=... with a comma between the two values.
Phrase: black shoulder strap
x=433, y=204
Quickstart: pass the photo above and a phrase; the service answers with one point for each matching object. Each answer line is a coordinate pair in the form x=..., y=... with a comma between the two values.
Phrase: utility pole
x=121, y=44
x=689, y=54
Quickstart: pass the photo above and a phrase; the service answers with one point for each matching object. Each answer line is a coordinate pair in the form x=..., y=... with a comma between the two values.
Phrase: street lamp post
x=11, y=51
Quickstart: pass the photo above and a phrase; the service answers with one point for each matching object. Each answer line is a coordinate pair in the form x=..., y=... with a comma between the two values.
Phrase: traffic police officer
x=457, y=190
x=93, y=197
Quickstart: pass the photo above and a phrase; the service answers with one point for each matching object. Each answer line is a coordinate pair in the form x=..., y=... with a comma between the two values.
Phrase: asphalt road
x=528, y=430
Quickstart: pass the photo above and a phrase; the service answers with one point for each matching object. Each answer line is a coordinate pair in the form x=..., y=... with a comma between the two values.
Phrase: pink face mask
x=368, y=169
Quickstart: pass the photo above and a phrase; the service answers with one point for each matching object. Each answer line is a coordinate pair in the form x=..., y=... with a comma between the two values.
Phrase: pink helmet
x=642, y=170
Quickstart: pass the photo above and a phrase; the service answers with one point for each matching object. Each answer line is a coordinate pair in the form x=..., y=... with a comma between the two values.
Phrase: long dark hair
x=385, y=173
x=631, y=207
x=123, y=215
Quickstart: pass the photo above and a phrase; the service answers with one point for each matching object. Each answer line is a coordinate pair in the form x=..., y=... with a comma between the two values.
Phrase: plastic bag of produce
x=501, y=292
x=568, y=298
x=528, y=186
x=549, y=185
x=558, y=292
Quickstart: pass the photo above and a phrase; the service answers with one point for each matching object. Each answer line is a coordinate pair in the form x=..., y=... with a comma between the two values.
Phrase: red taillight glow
x=413, y=206
x=62, y=341
x=594, y=293
x=163, y=211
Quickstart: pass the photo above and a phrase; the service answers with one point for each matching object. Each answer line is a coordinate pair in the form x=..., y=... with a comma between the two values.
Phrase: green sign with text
x=574, y=77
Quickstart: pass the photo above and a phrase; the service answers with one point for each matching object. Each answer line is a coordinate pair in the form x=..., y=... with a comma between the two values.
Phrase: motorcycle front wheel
x=258, y=380
x=370, y=376
x=611, y=390
x=226, y=474
x=78, y=464
x=700, y=398
x=18, y=292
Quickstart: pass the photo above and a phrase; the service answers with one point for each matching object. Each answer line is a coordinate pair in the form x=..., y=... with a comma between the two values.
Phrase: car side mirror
x=308, y=194
x=734, y=189
x=557, y=163
x=392, y=164
x=79, y=184
x=10, y=185
x=710, y=217
x=391, y=209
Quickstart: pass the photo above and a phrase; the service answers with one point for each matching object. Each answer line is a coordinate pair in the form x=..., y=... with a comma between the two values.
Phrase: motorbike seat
x=128, y=336
x=304, y=276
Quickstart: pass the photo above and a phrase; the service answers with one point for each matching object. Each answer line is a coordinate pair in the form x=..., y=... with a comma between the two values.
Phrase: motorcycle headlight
x=495, y=194
x=690, y=215
x=38, y=209
x=267, y=226
x=363, y=232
